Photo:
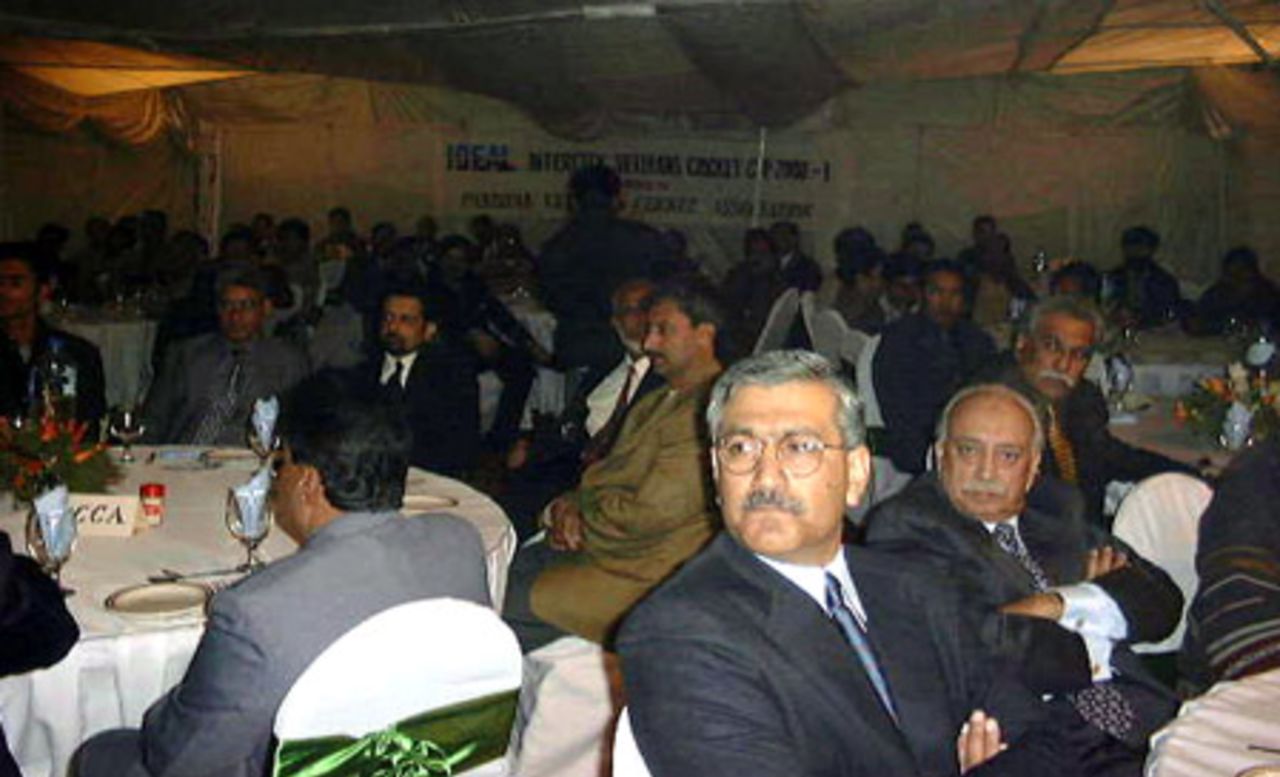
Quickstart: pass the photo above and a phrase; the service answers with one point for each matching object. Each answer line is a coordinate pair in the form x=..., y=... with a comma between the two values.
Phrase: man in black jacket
x=35, y=628
x=25, y=338
x=1047, y=366
x=430, y=376
x=1050, y=595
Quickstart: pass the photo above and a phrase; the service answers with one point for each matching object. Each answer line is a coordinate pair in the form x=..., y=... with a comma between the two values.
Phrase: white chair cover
x=781, y=316
x=829, y=333
x=627, y=761
x=1160, y=519
x=399, y=663
x=866, y=388
x=568, y=705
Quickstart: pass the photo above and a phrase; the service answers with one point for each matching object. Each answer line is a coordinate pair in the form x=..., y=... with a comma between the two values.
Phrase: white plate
x=159, y=600
x=236, y=456
x=419, y=502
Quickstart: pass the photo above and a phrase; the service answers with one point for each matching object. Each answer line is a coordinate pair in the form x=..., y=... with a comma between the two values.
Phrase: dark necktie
x=600, y=443
x=397, y=377
x=856, y=636
x=222, y=402
x=1102, y=705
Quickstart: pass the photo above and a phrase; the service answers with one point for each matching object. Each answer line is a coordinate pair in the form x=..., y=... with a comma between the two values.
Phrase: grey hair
x=1070, y=306
x=996, y=389
x=776, y=368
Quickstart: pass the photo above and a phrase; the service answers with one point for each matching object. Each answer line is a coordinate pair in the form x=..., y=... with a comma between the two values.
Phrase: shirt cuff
x=1088, y=610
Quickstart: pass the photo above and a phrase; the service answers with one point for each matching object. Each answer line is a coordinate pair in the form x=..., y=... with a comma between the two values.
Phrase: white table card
x=105, y=515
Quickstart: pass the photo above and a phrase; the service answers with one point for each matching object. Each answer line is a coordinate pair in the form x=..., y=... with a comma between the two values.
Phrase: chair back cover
x=399, y=664
x=829, y=333
x=866, y=388
x=778, y=325
x=1160, y=519
x=627, y=761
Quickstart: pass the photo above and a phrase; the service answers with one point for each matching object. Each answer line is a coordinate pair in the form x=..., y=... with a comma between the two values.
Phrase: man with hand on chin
x=780, y=651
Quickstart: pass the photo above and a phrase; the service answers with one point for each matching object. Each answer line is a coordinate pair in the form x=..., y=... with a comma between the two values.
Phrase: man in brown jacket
x=643, y=509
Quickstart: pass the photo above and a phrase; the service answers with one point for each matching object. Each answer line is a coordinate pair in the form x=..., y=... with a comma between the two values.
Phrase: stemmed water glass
x=1119, y=372
x=125, y=424
x=248, y=536
x=47, y=555
x=262, y=448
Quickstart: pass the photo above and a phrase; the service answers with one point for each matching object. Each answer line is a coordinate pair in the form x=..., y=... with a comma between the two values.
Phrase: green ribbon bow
x=434, y=744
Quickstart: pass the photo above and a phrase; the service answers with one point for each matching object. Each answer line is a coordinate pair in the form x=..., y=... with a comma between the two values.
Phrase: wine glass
x=262, y=448
x=125, y=424
x=1119, y=374
x=248, y=536
x=48, y=555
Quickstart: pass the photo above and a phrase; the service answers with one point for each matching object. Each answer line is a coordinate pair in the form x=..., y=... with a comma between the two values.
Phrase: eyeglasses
x=799, y=455
x=1054, y=346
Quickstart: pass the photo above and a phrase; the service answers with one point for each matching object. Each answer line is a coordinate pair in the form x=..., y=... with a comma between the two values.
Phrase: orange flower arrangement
x=1205, y=408
x=37, y=454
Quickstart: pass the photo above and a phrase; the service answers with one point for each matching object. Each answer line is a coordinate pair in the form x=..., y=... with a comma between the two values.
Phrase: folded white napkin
x=57, y=523
x=251, y=499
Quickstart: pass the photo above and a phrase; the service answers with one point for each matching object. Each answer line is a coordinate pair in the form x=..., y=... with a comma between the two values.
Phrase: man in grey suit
x=339, y=482
x=207, y=384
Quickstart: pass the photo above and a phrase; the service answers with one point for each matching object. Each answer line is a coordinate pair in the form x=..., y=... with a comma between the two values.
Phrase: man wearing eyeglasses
x=780, y=651
x=1047, y=366
x=206, y=387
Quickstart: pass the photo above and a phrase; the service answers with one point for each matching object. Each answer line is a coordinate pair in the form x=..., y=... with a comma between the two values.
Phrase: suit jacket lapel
x=802, y=633
x=1048, y=545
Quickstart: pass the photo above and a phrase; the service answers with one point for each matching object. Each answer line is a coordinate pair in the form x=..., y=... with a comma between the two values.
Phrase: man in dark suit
x=1146, y=293
x=921, y=361
x=799, y=271
x=26, y=339
x=1051, y=596
x=1047, y=366
x=779, y=651
x=206, y=388
x=430, y=376
x=339, y=482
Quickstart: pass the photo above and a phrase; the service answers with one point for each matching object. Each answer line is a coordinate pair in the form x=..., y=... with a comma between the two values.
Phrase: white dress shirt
x=604, y=397
x=389, y=367
x=1089, y=611
x=813, y=581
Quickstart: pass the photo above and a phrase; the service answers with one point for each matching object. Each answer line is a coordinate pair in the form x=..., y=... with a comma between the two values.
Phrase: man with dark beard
x=431, y=377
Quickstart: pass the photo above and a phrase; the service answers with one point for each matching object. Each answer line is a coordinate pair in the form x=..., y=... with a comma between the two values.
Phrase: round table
x=122, y=664
x=1154, y=428
x=1232, y=728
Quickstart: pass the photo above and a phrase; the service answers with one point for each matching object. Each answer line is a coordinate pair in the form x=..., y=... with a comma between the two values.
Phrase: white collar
x=813, y=580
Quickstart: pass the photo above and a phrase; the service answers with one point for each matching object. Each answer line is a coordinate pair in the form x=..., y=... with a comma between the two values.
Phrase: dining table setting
x=140, y=595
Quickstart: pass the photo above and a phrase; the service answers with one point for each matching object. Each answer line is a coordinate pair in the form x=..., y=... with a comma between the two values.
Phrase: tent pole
x=1216, y=8
x=755, y=197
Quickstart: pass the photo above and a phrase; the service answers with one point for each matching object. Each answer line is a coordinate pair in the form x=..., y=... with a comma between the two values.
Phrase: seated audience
x=340, y=480
x=90, y=263
x=291, y=252
x=206, y=388
x=1241, y=298
x=859, y=262
x=27, y=340
x=799, y=271
x=997, y=289
x=474, y=316
x=1047, y=366
x=779, y=651
x=1048, y=594
x=551, y=461
x=922, y=359
x=752, y=286
x=917, y=242
x=640, y=511
x=425, y=372
x=986, y=234
x=1144, y=293
x=902, y=291
x=1077, y=279
x=1233, y=627
x=263, y=227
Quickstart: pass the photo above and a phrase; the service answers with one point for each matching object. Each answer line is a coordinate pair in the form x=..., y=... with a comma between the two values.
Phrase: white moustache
x=984, y=488
x=1061, y=377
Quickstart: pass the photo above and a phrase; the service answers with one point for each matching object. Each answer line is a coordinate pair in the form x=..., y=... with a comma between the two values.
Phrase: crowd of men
x=692, y=503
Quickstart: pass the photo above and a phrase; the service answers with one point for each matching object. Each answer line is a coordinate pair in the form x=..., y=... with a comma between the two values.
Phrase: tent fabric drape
x=135, y=118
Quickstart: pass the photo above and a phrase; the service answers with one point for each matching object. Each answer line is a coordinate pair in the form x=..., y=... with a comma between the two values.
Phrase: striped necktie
x=856, y=636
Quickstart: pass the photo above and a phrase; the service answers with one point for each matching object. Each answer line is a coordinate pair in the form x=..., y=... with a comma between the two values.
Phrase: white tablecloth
x=121, y=664
x=1155, y=429
x=1212, y=734
x=546, y=396
x=126, y=353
